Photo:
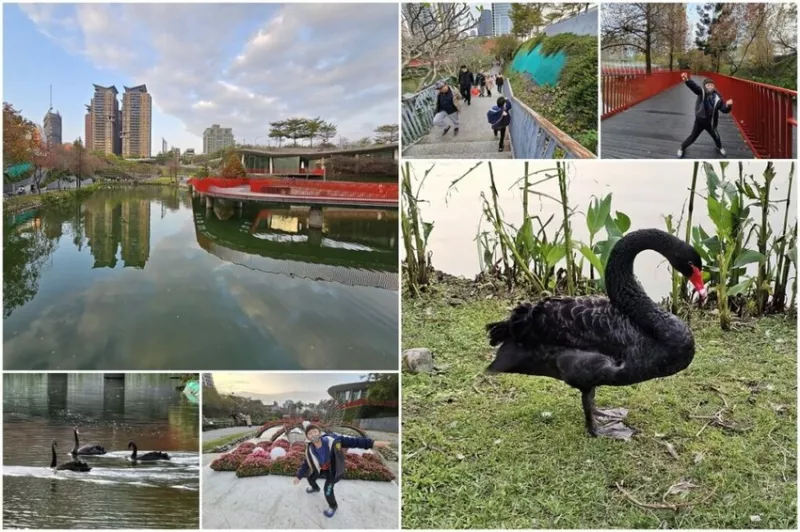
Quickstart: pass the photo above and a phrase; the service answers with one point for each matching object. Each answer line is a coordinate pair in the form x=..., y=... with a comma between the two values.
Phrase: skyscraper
x=137, y=111
x=485, y=23
x=88, y=124
x=105, y=117
x=52, y=128
x=501, y=19
x=217, y=138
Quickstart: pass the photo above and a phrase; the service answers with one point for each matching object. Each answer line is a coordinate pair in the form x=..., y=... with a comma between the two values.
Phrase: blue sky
x=238, y=65
x=269, y=387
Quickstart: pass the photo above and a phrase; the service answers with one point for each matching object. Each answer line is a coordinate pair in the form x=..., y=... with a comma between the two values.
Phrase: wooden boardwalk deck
x=655, y=128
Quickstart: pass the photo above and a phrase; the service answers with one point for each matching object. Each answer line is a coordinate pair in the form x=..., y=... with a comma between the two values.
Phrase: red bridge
x=649, y=115
x=301, y=191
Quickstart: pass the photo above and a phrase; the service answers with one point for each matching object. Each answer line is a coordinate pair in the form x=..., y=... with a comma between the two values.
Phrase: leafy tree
x=327, y=132
x=526, y=19
x=313, y=127
x=364, y=141
x=387, y=134
x=715, y=32
x=505, y=46
x=296, y=129
x=384, y=387
x=278, y=131
x=18, y=137
x=232, y=167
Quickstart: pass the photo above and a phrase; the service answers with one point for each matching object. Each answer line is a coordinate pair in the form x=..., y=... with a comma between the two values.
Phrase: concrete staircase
x=475, y=138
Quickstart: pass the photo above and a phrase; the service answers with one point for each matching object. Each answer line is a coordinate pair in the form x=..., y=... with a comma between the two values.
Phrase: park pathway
x=655, y=128
x=475, y=138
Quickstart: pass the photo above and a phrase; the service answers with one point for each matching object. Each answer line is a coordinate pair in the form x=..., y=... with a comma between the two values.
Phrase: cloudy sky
x=238, y=65
x=269, y=387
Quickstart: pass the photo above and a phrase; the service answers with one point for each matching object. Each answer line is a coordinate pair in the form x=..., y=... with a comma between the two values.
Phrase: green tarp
x=18, y=169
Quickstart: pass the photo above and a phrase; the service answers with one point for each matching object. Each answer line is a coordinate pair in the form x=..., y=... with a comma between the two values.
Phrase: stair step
x=476, y=149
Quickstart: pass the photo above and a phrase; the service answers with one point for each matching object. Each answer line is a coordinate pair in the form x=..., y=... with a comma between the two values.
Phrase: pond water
x=147, y=278
x=645, y=191
x=109, y=410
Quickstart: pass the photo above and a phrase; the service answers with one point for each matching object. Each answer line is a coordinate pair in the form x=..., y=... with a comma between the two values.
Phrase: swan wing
x=588, y=323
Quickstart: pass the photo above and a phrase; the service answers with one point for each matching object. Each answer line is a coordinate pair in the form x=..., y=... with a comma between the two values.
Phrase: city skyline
x=269, y=387
x=266, y=63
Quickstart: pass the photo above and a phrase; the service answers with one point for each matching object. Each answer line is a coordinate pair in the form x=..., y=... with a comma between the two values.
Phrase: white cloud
x=242, y=65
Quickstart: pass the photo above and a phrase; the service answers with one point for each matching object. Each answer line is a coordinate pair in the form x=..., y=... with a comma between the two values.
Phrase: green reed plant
x=415, y=233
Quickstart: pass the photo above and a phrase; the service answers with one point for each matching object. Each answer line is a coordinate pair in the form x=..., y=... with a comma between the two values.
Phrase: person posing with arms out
x=446, y=113
x=325, y=459
x=500, y=118
x=706, y=112
x=465, y=82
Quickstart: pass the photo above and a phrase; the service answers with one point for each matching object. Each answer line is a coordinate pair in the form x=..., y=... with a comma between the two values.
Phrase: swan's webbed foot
x=607, y=423
x=611, y=414
x=616, y=430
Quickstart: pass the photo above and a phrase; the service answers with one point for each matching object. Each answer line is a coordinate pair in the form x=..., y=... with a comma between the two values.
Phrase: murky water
x=116, y=493
x=147, y=278
x=645, y=191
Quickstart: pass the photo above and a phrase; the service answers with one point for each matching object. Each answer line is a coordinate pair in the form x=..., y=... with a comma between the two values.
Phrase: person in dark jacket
x=465, y=82
x=500, y=81
x=325, y=459
x=706, y=112
x=480, y=81
x=500, y=118
x=446, y=113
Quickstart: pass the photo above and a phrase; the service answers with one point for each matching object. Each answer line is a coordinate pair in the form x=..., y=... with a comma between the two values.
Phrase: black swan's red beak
x=697, y=280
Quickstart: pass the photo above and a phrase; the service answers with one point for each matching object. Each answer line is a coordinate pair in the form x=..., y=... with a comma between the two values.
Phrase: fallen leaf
x=680, y=487
x=498, y=441
x=755, y=518
x=460, y=456
x=671, y=450
x=698, y=457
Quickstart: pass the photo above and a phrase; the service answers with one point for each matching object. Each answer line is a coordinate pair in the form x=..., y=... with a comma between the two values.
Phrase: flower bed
x=288, y=465
x=245, y=448
x=264, y=445
x=282, y=443
x=228, y=462
x=254, y=466
x=361, y=468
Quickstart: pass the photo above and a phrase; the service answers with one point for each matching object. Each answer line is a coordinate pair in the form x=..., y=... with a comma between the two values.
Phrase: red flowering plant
x=245, y=448
x=264, y=445
x=287, y=465
x=371, y=457
x=284, y=444
x=254, y=465
x=358, y=468
x=228, y=461
x=298, y=446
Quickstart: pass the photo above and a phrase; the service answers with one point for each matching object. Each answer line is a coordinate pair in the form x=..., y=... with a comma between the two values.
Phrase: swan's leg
x=587, y=399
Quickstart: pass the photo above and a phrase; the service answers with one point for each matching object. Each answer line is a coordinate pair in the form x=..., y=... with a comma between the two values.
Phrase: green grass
x=483, y=452
x=210, y=445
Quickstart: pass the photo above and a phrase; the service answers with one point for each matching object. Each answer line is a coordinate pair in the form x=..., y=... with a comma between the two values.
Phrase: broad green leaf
x=712, y=180
x=427, y=227
x=598, y=212
x=607, y=247
x=593, y=259
x=555, y=254
x=623, y=222
x=739, y=288
x=748, y=256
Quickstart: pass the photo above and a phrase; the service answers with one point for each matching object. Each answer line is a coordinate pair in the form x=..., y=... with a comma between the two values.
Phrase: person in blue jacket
x=325, y=459
x=499, y=117
x=706, y=112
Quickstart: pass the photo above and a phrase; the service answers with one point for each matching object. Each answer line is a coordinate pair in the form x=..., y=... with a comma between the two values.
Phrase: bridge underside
x=655, y=128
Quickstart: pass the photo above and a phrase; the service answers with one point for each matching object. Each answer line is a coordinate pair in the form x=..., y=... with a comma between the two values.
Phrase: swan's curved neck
x=53, y=460
x=134, y=450
x=624, y=290
x=75, y=448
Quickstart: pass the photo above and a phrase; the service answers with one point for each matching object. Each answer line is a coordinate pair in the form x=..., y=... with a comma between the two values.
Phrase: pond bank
x=495, y=443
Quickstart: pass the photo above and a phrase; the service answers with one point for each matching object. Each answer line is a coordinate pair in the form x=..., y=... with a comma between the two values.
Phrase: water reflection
x=110, y=409
x=357, y=247
x=145, y=278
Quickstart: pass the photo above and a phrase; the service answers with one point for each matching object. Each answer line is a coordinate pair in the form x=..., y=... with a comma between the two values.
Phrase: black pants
x=502, y=131
x=701, y=125
x=500, y=88
x=466, y=93
x=327, y=490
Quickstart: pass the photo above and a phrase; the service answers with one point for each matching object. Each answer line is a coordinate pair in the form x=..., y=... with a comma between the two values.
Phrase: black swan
x=151, y=456
x=75, y=465
x=597, y=341
x=86, y=449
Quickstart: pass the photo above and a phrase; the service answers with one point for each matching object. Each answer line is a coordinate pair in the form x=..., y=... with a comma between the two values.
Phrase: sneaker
x=455, y=132
x=723, y=152
x=312, y=490
x=330, y=512
x=500, y=148
x=680, y=154
x=446, y=130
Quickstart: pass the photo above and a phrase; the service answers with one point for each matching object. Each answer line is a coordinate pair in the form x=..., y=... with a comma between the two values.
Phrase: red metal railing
x=334, y=189
x=202, y=185
x=764, y=114
x=624, y=87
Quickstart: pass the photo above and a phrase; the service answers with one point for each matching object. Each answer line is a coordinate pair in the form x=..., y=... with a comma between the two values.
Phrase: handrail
x=623, y=88
x=534, y=137
x=417, y=114
x=765, y=114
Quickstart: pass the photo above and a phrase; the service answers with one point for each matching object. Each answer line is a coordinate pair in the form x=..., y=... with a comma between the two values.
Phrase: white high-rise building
x=501, y=19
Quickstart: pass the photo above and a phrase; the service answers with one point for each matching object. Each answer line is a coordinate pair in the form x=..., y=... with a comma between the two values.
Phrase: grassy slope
x=478, y=451
x=210, y=445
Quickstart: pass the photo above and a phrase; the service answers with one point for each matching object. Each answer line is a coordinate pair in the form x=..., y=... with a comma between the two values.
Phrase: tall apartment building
x=137, y=113
x=501, y=19
x=106, y=118
x=52, y=128
x=88, y=124
x=485, y=23
x=217, y=138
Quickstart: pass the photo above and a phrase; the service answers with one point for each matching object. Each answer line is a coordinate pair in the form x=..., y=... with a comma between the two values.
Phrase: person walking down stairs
x=500, y=118
x=446, y=113
x=465, y=82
